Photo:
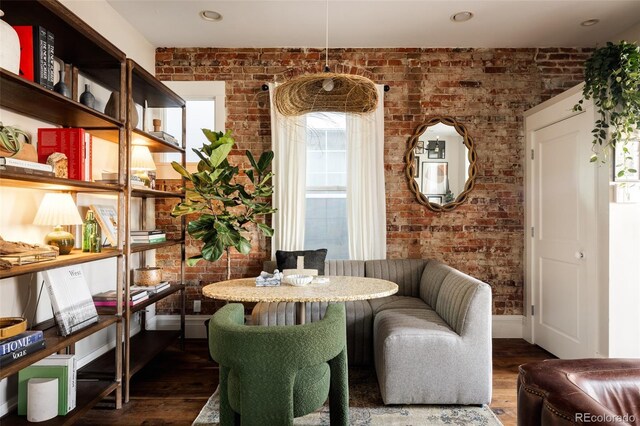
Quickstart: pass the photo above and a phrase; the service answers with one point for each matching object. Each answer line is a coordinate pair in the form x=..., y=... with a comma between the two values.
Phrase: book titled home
x=75, y=143
x=19, y=341
x=62, y=367
x=34, y=53
x=23, y=351
x=71, y=300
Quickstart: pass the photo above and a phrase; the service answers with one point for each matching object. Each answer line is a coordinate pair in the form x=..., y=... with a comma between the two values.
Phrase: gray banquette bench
x=430, y=343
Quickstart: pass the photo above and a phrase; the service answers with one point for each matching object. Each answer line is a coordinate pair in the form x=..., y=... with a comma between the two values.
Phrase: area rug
x=366, y=408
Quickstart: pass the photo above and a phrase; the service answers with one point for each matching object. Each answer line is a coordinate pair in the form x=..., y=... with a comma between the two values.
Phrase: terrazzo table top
x=338, y=289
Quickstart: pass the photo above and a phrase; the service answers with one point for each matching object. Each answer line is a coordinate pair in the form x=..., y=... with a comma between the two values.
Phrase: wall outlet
x=196, y=306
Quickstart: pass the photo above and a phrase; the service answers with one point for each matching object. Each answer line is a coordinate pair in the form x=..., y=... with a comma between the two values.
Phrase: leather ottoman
x=581, y=391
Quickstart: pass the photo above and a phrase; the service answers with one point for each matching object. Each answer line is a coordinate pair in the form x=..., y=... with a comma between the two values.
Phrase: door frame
x=548, y=113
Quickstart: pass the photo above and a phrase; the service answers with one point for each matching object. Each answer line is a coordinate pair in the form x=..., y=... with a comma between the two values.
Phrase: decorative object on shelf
x=165, y=137
x=10, y=53
x=141, y=163
x=87, y=98
x=71, y=300
x=75, y=143
x=18, y=253
x=113, y=109
x=61, y=87
x=91, y=234
x=16, y=143
x=612, y=79
x=147, y=276
x=60, y=366
x=157, y=125
x=10, y=327
x=58, y=209
x=223, y=218
x=60, y=164
x=108, y=220
x=42, y=403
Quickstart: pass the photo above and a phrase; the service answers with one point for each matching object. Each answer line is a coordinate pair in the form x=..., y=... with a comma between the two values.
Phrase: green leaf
x=219, y=154
x=243, y=245
x=193, y=260
x=212, y=250
x=266, y=229
x=251, y=159
x=249, y=173
x=264, y=161
x=178, y=168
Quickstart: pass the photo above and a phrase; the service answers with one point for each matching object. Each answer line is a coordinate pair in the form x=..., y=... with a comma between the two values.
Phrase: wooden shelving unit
x=91, y=54
x=143, y=88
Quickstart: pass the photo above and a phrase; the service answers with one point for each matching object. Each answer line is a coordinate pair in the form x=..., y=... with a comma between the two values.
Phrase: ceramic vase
x=87, y=98
x=61, y=87
x=113, y=106
x=10, y=52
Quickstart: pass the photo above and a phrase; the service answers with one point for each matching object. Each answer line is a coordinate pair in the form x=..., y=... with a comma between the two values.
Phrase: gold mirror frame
x=409, y=160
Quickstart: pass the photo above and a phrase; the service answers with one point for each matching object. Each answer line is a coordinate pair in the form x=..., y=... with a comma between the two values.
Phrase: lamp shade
x=57, y=209
x=141, y=158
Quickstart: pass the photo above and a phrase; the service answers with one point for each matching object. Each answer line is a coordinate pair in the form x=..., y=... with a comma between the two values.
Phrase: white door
x=564, y=236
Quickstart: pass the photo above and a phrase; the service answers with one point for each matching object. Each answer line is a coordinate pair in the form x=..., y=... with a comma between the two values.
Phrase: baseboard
x=193, y=324
x=507, y=326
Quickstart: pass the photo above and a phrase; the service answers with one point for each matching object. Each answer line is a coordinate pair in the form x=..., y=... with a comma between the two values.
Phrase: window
x=326, y=193
x=205, y=109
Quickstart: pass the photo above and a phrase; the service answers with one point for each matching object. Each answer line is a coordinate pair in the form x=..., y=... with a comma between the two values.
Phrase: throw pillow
x=313, y=259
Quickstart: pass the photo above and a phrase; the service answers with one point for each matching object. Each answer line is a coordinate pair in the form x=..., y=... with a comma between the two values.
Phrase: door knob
x=579, y=255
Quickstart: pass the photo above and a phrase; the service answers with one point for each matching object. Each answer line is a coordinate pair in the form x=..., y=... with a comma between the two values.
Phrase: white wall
x=18, y=295
x=632, y=34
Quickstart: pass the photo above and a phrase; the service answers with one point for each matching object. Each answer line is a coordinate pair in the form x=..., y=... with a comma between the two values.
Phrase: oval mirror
x=440, y=163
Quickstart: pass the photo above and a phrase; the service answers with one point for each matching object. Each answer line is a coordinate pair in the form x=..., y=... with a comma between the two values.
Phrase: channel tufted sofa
x=430, y=343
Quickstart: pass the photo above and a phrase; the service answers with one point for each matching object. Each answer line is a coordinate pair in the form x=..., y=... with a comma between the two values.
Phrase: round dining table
x=321, y=289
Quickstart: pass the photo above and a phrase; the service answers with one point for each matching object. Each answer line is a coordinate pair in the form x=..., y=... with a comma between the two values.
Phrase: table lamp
x=141, y=163
x=58, y=209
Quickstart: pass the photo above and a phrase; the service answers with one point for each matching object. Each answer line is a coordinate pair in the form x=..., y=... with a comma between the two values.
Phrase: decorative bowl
x=298, y=280
x=148, y=276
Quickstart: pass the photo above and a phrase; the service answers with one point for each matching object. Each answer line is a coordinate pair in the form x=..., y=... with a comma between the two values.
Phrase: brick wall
x=485, y=89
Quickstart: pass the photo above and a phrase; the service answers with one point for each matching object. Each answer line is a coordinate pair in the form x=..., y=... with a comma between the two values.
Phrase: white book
x=8, y=161
x=70, y=297
x=68, y=361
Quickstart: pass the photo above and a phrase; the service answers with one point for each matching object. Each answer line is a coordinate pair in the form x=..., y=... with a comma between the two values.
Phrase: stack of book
x=8, y=164
x=20, y=345
x=153, y=289
x=148, y=237
x=112, y=178
x=109, y=298
x=61, y=367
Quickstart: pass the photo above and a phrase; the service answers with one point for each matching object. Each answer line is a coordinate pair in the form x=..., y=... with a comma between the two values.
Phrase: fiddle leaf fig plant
x=612, y=79
x=224, y=205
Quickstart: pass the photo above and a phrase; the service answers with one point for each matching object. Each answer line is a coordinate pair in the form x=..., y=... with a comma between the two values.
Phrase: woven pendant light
x=327, y=91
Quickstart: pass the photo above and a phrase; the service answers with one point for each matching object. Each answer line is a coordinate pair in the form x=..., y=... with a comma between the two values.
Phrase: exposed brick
x=487, y=90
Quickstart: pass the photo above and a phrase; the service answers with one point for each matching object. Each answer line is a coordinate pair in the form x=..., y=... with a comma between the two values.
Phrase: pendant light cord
x=326, y=38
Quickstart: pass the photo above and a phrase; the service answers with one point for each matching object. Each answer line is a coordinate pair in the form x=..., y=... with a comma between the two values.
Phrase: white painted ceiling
x=379, y=23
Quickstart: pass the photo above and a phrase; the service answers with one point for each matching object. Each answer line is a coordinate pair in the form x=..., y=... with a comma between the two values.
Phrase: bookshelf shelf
x=56, y=343
x=153, y=298
x=25, y=180
x=155, y=193
x=154, y=143
x=138, y=248
x=74, y=258
x=33, y=100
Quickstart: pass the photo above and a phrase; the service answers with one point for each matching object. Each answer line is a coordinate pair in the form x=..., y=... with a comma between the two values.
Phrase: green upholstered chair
x=270, y=375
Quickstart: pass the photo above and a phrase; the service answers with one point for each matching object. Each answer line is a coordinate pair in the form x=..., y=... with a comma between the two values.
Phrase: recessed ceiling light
x=589, y=22
x=461, y=16
x=210, y=15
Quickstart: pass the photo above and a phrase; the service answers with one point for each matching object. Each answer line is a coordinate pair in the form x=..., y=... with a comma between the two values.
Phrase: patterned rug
x=366, y=408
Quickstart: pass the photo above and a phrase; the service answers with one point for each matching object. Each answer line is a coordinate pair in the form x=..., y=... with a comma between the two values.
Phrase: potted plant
x=16, y=143
x=224, y=205
x=612, y=79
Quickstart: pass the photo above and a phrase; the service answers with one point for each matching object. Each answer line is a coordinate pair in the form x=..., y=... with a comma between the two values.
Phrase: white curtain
x=288, y=139
x=366, y=207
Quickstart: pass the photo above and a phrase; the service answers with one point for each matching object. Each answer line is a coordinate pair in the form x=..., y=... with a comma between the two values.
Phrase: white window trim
x=195, y=91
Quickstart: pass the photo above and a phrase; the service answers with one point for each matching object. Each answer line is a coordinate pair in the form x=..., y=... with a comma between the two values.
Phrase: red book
x=33, y=53
x=75, y=143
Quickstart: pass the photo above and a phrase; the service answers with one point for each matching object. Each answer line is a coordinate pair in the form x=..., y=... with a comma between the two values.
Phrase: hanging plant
x=612, y=79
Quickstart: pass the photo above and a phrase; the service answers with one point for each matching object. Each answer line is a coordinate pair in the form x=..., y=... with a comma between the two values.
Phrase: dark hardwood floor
x=173, y=388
